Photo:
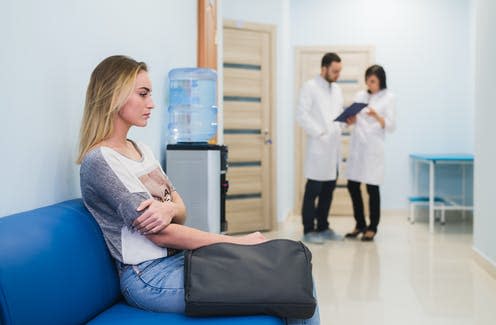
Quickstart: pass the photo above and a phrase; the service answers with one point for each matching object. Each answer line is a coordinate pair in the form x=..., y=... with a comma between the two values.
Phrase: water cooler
x=196, y=168
x=198, y=172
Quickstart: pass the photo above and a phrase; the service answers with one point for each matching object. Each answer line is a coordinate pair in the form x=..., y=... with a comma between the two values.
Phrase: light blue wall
x=48, y=51
x=425, y=48
x=485, y=131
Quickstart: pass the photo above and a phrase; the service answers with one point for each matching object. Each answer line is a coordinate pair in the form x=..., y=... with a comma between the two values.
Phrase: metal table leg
x=431, y=196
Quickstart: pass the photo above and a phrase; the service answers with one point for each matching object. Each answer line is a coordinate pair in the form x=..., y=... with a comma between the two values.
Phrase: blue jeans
x=158, y=285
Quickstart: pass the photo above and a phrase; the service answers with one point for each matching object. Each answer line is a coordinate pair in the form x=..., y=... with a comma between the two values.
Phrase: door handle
x=267, y=139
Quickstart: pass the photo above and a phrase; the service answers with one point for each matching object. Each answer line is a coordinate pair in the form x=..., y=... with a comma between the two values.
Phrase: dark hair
x=378, y=71
x=328, y=58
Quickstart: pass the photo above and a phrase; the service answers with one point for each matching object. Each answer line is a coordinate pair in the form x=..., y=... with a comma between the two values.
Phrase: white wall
x=48, y=51
x=425, y=48
x=275, y=12
x=485, y=132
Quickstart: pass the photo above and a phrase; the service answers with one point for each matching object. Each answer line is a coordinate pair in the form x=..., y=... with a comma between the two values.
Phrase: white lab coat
x=365, y=163
x=320, y=103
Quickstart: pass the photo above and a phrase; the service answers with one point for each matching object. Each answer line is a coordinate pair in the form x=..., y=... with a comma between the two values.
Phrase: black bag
x=272, y=278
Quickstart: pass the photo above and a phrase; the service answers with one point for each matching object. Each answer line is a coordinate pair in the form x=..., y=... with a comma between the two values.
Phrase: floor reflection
x=406, y=276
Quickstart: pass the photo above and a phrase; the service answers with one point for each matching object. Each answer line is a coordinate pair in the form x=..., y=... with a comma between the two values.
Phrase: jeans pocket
x=159, y=287
x=145, y=267
x=165, y=273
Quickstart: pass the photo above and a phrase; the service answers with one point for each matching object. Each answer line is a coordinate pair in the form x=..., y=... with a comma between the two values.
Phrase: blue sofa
x=55, y=269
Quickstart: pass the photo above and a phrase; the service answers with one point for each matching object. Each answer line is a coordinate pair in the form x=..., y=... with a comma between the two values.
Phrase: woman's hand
x=373, y=113
x=157, y=216
x=251, y=239
x=351, y=120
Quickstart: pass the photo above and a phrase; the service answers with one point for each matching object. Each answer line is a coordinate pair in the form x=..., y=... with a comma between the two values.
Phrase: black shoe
x=354, y=233
x=368, y=235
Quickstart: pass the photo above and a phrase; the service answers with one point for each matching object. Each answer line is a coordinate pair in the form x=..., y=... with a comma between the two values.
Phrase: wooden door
x=249, y=127
x=355, y=61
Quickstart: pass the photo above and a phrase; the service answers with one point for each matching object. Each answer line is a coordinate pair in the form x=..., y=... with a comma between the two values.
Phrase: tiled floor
x=406, y=276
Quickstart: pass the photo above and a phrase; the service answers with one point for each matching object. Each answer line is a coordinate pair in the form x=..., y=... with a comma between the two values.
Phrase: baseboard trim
x=384, y=212
x=484, y=262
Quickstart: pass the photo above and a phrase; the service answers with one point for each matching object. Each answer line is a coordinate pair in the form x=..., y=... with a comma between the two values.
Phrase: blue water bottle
x=192, y=105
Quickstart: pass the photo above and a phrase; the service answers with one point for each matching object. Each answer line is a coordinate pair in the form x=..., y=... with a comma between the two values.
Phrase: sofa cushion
x=54, y=267
x=123, y=314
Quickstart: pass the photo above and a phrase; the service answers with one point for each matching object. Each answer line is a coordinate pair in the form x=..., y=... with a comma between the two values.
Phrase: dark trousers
x=374, y=205
x=311, y=211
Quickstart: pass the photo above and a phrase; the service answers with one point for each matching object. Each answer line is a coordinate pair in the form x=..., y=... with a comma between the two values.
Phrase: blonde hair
x=110, y=85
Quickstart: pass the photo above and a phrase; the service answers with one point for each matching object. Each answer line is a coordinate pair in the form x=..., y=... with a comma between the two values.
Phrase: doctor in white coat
x=366, y=158
x=321, y=101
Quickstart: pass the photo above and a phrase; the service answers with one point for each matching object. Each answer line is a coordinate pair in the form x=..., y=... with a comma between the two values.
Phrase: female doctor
x=366, y=159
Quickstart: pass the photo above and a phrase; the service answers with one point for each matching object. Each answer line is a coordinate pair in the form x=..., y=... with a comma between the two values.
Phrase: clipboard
x=352, y=110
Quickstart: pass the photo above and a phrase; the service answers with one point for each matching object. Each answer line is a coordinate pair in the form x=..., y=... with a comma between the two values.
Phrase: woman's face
x=373, y=84
x=137, y=108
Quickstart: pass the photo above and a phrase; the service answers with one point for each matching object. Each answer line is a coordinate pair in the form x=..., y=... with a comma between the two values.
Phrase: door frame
x=207, y=29
x=272, y=32
x=299, y=154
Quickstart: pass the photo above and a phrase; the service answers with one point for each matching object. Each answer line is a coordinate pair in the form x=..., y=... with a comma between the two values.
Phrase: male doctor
x=321, y=101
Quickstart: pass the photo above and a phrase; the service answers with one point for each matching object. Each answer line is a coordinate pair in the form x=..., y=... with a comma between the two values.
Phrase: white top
x=113, y=186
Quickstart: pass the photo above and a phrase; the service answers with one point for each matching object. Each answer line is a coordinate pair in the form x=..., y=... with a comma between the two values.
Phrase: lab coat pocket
x=315, y=146
x=375, y=148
